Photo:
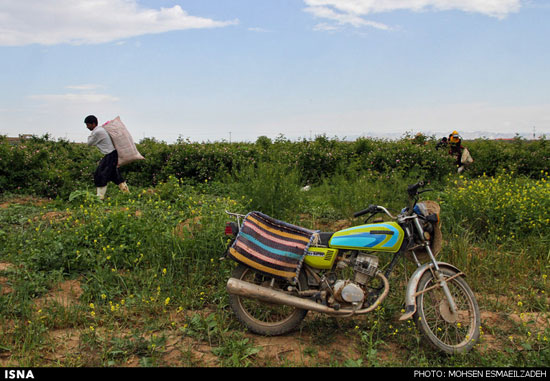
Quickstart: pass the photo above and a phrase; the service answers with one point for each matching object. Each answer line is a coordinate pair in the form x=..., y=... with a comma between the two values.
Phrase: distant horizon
x=381, y=136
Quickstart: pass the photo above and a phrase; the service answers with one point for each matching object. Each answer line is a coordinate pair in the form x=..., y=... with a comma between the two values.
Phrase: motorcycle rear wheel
x=451, y=333
x=261, y=317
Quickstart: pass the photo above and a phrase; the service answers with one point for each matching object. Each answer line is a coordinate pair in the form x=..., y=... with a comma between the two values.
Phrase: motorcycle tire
x=450, y=333
x=261, y=317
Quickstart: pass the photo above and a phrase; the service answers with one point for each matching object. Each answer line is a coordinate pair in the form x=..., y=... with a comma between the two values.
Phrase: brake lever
x=369, y=217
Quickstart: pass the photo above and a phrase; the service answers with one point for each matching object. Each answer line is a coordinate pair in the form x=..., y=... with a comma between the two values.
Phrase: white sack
x=123, y=142
x=466, y=157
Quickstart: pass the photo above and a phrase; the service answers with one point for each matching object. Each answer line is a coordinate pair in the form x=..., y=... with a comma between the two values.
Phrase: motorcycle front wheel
x=450, y=332
x=261, y=317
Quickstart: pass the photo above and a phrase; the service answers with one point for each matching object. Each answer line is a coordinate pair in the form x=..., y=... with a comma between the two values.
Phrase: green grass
x=152, y=286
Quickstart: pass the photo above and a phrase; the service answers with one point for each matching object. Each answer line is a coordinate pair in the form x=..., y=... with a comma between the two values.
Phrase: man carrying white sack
x=107, y=170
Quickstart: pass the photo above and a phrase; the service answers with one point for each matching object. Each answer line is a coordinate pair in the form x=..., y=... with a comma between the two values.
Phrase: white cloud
x=85, y=94
x=75, y=98
x=87, y=86
x=50, y=22
x=341, y=18
x=258, y=29
x=353, y=12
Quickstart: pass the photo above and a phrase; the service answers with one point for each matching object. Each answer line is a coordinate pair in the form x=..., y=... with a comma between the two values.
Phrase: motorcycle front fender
x=410, y=294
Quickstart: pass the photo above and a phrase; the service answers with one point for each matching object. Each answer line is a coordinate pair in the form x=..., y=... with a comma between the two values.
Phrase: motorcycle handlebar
x=370, y=209
x=374, y=209
x=412, y=190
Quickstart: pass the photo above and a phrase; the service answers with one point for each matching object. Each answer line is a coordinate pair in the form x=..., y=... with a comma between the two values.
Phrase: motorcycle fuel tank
x=387, y=236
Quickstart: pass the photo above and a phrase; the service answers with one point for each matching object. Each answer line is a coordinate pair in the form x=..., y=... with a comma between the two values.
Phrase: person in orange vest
x=460, y=152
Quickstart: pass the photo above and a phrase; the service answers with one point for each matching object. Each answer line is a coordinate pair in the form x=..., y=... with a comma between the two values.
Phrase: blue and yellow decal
x=377, y=237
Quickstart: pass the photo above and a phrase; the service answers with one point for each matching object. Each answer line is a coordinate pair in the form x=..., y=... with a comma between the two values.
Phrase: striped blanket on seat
x=270, y=246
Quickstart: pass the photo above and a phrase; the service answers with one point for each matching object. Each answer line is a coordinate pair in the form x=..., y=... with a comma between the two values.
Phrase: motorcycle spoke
x=260, y=311
x=450, y=329
x=265, y=313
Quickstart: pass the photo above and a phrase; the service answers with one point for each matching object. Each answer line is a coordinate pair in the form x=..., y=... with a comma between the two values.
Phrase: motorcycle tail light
x=231, y=228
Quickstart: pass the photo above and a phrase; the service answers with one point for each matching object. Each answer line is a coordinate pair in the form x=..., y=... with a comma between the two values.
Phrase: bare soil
x=299, y=348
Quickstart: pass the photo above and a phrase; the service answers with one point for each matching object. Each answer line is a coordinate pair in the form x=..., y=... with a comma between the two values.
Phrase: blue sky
x=211, y=70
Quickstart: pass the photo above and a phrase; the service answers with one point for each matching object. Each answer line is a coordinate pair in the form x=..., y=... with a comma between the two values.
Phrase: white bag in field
x=123, y=142
x=466, y=157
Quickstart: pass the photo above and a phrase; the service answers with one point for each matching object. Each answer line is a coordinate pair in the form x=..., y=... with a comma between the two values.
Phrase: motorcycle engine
x=349, y=291
x=365, y=268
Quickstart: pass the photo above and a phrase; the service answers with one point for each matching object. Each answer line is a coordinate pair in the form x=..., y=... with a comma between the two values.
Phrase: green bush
x=523, y=157
x=50, y=168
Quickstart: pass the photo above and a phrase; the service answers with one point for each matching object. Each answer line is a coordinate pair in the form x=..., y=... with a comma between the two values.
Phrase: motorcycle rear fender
x=410, y=295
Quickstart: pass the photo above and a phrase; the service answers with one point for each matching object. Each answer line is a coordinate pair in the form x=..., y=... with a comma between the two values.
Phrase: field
x=137, y=279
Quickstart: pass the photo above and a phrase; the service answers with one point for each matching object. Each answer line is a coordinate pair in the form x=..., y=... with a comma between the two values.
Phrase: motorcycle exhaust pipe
x=268, y=295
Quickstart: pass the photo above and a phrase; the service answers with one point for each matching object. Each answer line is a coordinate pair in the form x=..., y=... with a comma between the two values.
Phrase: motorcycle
x=339, y=274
